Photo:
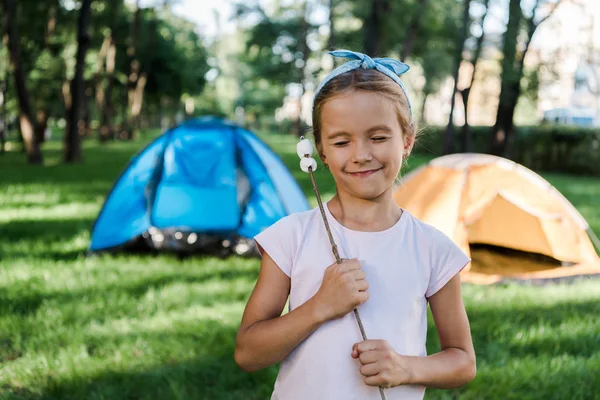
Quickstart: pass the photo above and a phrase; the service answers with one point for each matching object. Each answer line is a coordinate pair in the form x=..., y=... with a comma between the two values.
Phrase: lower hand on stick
x=381, y=365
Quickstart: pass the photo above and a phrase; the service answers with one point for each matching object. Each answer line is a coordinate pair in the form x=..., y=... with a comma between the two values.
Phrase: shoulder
x=295, y=220
x=291, y=226
x=424, y=231
x=282, y=239
x=431, y=241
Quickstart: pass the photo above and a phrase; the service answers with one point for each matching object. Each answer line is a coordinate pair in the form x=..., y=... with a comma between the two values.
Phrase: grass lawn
x=145, y=327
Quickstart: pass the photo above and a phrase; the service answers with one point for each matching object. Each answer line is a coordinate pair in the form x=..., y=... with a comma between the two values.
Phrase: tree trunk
x=460, y=46
x=42, y=115
x=331, y=40
x=99, y=79
x=32, y=148
x=72, y=138
x=423, y=105
x=85, y=119
x=5, y=82
x=512, y=73
x=467, y=134
x=304, y=49
x=106, y=125
x=413, y=31
x=51, y=28
x=41, y=123
x=373, y=29
x=3, y=127
x=134, y=73
x=140, y=86
x=503, y=127
x=465, y=93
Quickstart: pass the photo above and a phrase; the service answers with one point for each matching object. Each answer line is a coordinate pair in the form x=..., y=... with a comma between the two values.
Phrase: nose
x=362, y=152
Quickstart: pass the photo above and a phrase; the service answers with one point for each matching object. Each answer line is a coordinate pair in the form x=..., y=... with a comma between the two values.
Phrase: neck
x=369, y=215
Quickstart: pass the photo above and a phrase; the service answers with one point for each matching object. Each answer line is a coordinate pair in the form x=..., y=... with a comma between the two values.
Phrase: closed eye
x=380, y=138
x=342, y=143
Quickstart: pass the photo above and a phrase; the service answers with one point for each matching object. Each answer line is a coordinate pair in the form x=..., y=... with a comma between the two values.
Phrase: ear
x=321, y=154
x=409, y=142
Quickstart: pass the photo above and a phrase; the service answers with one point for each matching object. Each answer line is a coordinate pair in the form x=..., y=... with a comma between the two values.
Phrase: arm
x=453, y=366
x=265, y=337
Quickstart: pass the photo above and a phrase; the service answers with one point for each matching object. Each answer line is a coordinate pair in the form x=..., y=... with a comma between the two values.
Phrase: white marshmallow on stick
x=304, y=148
x=307, y=162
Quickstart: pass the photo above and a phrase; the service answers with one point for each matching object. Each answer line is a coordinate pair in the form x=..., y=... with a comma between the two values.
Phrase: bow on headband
x=388, y=66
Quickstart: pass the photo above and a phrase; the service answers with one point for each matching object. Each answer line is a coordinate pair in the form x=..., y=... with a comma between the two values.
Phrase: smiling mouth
x=364, y=174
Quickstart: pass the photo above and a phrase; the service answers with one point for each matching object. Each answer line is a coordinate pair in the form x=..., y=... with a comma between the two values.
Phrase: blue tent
x=206, y=178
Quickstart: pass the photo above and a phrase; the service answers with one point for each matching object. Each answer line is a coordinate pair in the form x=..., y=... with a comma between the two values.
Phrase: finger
x=370, y=357
x=358, y=274
x=370, y=369
x=378, y=380
x=368, y=345
x=362, y=298
x=362, y=285
x=351, y=265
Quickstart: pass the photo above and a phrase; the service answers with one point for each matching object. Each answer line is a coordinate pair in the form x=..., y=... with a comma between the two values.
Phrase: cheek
x=392, y=153
x=332, y=155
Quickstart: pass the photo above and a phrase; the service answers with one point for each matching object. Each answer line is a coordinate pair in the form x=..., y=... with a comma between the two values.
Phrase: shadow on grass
x=20, y=303
x=206, y=371
x=45, y=229
x=517, y=332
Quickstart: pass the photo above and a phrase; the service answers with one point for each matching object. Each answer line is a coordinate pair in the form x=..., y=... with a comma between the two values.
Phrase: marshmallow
x=307, y=162
x=304, y=148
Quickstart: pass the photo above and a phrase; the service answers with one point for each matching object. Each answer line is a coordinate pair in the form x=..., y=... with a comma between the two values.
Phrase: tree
x=46, y=37
x=104, y=92
x=136, y=81
x=331, y=40
x=436, y=64
x=513, y=69
x=465, y=92
x=413, y=31
x=305, y=51
x=32, y=148
x=277, y=51
x=458, y=56
x=178, y=63
x=374, y=27
x=3, y=94
x=72, y=140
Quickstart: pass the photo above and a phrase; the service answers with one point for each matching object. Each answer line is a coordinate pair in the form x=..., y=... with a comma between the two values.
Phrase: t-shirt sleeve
x=278, y=241
x=447, y=259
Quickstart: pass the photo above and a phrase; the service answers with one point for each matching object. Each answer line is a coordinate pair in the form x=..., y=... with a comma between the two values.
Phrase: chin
x=367, y=193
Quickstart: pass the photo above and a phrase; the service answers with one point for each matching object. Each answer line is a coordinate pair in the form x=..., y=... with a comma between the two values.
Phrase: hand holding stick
x=304, y=149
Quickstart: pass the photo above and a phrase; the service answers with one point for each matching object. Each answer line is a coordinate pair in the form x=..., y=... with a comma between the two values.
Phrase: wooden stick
x=338, y=259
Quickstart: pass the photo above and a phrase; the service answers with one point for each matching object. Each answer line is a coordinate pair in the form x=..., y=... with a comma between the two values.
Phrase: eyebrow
x=337, y=134
x=375, y=128
x=379, y=128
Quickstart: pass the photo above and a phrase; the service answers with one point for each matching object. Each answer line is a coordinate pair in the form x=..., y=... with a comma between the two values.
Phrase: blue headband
x=388, y=66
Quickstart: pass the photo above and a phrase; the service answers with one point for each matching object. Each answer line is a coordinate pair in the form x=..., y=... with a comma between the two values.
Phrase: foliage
x=545, y=148
x=122, y=327
x=169, y=50
x=273, y=56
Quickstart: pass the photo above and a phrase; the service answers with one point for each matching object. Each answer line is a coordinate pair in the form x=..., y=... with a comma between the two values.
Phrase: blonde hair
x=368, y=80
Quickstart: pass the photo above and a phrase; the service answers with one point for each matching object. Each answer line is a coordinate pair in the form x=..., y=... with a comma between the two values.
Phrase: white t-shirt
x=404, y=265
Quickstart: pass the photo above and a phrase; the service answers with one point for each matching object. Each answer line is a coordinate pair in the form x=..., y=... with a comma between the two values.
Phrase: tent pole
x=594, y=238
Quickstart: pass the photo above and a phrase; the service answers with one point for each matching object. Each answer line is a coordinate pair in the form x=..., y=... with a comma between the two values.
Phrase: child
x=393, y=263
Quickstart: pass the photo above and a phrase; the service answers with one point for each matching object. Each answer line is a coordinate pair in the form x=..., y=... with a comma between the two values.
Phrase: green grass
x=156, y=327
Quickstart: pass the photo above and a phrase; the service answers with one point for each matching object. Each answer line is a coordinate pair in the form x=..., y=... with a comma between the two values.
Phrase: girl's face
x=362, y=143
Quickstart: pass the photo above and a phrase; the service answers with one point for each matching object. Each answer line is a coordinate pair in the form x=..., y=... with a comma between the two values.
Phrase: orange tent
x=484, y=199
